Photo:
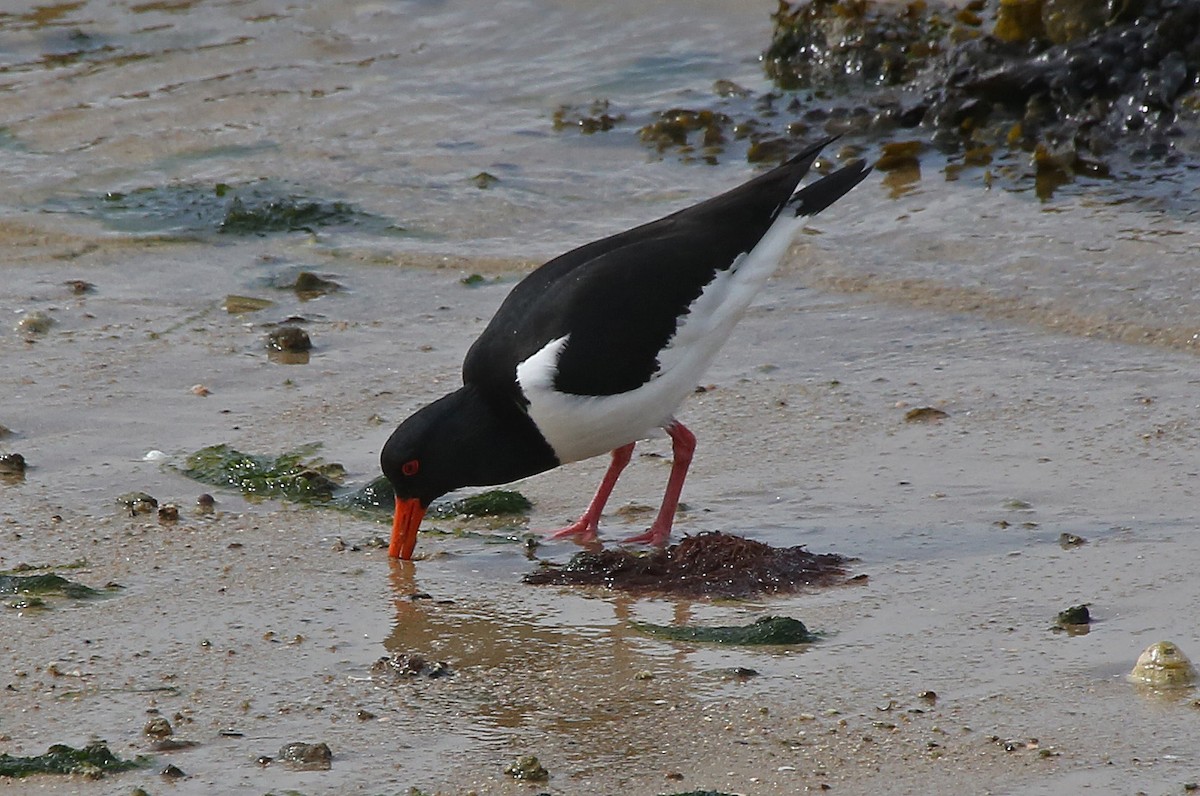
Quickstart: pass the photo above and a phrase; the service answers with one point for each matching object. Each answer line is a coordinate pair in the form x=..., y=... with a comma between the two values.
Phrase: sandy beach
x=258, y=625
x=1058, y=335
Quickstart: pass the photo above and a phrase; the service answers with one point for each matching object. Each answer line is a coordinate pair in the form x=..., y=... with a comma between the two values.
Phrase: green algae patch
x=283, y=214
x=257, y=208
x=372, y=499
x=765, y=630
x=92, y=761
x=296, y=475
x=493, y=503
x=45, y=585
x=705, y=565
x=378, y=497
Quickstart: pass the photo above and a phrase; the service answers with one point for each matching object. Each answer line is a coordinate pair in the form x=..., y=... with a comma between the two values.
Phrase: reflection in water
x=903, y=180
x=288, y=357
x=545, y=661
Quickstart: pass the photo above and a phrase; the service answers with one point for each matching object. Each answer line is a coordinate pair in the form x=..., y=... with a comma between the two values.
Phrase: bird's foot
x=657, y=535
x=582, y=530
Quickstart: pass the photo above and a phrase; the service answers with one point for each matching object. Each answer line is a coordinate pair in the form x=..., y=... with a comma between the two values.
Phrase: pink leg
x=584, y=529
x=682, y=447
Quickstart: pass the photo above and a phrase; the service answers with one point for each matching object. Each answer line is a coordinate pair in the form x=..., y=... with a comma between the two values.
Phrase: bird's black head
x=461, y=439
x=417, y=462
x=418, y=458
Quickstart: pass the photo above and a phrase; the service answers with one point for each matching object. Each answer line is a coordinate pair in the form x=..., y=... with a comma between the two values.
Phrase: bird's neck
x=494, y=441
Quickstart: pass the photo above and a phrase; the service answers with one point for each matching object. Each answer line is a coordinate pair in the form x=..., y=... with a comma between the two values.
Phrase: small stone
x=172, y=772
x=484, y=180
x=168, y=512
x=1075, y=615
x=406, y=664
x=137, y=502
x=289, y=338
x=307, y=756
x=528, y=769
x=925, y=414
x=240, y=305
x=35, y=322
x=308, y=285
x=12, y=464
x=157, y=727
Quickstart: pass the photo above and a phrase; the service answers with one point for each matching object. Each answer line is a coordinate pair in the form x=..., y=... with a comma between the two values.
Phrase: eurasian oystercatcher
x=597, y=348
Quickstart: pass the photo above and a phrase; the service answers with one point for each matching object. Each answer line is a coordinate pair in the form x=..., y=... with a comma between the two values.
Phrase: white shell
x=1163, y=665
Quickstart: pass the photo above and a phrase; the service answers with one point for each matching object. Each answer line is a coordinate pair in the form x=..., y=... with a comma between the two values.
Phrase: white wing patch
x=581, y=426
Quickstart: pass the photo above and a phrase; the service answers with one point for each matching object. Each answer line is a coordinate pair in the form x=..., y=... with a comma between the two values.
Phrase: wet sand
x=1060, y=338
x=263, y=620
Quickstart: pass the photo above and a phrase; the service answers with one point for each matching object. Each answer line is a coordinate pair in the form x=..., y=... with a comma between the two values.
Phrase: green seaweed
x=46, y=584
x=493, y=503
x=378, y=497
x=295, y=475
x=93, y=760
x=256, y=208
x=372, y=499
x=765, y=630
x=283, y=214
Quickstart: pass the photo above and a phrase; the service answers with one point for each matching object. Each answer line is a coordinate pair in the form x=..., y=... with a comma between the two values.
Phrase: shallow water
x=395, y=107
x=1059, y=336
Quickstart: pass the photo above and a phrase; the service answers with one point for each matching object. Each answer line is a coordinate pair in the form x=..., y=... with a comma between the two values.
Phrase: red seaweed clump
x=706, y=565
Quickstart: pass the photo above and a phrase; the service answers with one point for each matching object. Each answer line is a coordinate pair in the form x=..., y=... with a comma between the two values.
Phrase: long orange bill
x=409, y=514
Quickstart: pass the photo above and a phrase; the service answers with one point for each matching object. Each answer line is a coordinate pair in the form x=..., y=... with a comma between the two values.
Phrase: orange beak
x=409, y=514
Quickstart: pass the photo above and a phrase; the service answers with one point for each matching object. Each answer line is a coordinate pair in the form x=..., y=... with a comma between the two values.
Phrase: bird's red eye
x=410, y=467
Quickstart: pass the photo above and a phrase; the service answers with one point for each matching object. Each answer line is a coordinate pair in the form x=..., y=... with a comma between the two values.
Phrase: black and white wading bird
x=598, y=348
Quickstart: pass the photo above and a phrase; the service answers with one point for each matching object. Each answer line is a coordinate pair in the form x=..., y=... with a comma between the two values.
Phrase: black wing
x=620, y=298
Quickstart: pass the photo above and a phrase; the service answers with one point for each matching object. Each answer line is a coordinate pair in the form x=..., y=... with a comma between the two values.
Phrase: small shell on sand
x=1163, y=665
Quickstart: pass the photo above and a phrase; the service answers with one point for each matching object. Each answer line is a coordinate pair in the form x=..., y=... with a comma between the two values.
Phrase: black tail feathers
x=812, y=199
